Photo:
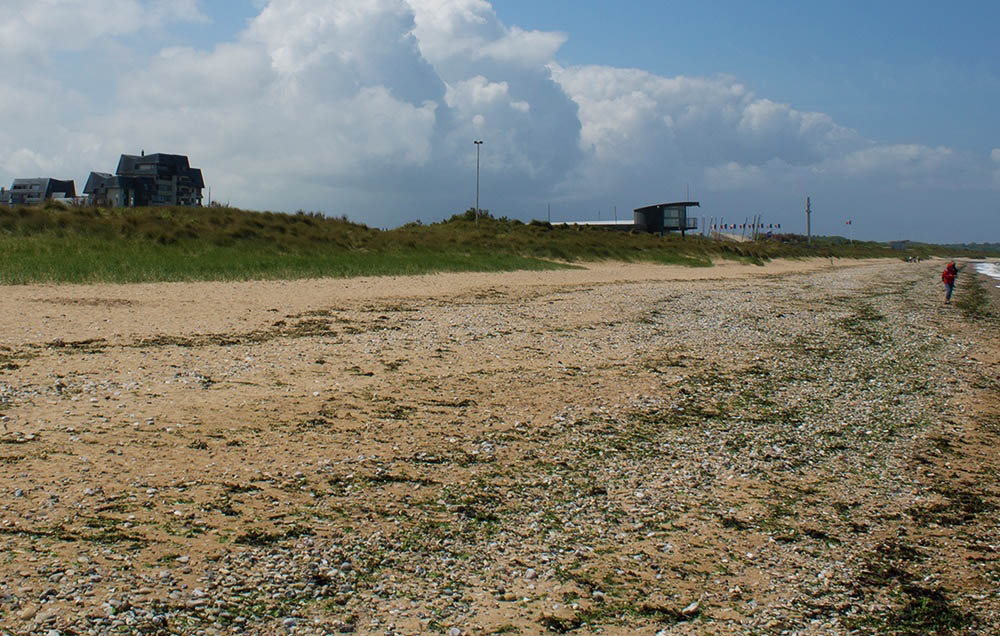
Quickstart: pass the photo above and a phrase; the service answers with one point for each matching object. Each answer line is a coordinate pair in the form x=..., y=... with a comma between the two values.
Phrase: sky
x=884, y=113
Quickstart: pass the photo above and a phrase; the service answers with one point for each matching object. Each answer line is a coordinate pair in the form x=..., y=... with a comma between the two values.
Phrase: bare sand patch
x=78, y=312
x=620, y=448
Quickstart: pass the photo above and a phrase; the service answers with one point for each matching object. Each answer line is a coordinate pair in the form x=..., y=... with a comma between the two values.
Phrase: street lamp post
x=478, y=143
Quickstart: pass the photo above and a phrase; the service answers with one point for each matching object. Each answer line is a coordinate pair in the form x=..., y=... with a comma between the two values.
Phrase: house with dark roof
x=106, y=189
x=156, y=179
x=29, y=191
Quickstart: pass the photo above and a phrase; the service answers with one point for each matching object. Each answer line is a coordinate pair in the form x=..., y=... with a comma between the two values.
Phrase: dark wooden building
x=141, y=180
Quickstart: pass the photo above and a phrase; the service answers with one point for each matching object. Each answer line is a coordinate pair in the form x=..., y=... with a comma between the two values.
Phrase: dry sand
x=802, y=447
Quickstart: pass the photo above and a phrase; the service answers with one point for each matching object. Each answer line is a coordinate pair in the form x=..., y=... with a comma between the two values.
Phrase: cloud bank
x=369, y=108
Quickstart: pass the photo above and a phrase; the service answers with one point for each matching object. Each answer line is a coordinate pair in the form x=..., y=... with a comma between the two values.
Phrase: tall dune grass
x=53, y=243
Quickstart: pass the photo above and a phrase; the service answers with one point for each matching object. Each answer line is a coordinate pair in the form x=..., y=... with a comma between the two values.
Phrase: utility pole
x=478, y=143
x=809, y=236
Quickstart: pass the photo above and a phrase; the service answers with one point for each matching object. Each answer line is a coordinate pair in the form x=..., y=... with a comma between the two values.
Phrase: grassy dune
x=53, y=243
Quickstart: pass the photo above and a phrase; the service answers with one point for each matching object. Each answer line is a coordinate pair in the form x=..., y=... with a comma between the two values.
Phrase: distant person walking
x=948, y=278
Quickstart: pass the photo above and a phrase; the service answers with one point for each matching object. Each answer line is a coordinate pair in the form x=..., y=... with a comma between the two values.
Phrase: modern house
x=29, y=191
x=666, y=217
x=156, y=179
x=655, y=219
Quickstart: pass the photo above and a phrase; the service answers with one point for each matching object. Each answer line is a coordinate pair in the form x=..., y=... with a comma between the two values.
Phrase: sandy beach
x=806, y=446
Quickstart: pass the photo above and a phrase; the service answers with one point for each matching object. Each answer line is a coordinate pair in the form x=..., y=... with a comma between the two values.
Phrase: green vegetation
x=840, y=246
x=991, y=249
x=973, y=299
x=53, y=243
x=923, y=611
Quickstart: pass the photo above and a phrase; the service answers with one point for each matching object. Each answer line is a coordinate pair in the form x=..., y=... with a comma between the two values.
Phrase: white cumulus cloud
x=370, y=107
x=42, y=26
x=456, y=33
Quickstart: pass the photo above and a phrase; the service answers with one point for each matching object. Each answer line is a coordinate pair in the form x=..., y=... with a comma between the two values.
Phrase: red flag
x=848, y=221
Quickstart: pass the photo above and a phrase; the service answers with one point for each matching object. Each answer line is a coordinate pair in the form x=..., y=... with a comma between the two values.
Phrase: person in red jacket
x=948, y=278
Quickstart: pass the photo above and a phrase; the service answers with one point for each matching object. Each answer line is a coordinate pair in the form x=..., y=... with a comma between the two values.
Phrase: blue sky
x=883, y=112
x=897, y=71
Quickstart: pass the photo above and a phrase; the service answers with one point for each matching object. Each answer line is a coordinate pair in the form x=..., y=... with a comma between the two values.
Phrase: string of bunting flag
x=745, y=226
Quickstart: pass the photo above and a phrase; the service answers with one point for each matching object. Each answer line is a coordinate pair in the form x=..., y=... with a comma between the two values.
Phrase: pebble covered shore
x=804, y=450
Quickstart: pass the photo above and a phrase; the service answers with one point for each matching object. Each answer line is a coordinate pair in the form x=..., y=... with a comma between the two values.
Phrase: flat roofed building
x=666, y=217
x=620, y=225
x=37, y=190
x=655, y=219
